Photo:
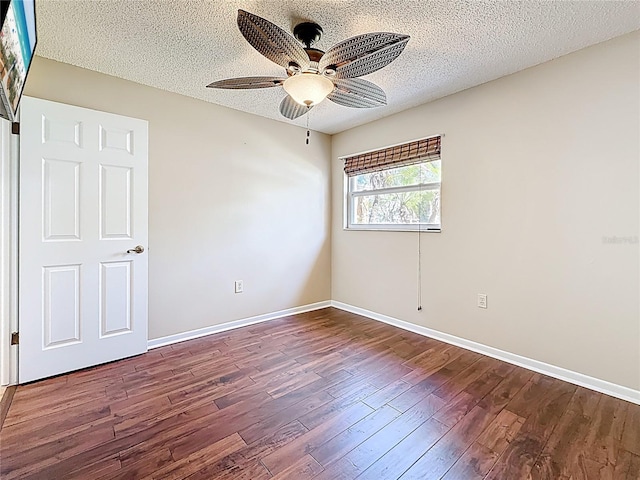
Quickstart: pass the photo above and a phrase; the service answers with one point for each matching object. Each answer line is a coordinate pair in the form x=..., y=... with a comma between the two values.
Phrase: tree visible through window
x=396, y=198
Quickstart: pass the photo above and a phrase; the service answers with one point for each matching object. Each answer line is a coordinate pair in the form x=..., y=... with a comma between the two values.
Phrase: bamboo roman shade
x=425, y=150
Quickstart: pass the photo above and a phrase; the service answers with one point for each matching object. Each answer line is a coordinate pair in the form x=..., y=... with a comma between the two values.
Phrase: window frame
x=350, y=197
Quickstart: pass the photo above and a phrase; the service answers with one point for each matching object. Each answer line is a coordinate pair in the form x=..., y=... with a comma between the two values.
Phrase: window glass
x=401, y=198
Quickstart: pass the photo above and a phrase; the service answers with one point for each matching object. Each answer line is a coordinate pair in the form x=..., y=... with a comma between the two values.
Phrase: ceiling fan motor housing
x=308, y=33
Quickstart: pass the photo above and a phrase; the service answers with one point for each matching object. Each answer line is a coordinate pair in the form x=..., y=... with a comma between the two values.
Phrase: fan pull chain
x=420, y=243
x=308, y=133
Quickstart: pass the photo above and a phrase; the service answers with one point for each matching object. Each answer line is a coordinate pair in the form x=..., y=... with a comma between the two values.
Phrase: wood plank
x=587, y=468
x=506, y=390
x=305, y=468
x=631, y=433
x=250, y=471
x=50, y=427
x=627, y=466
x=208, y=455
x=542, y=401
x=400, y=458
x=102, y=467
x=442, y=456
x=455, y=410
x=236, y=460
x=213, y=387
x=32, y=409
x=364, y=455
x=5, y=403
x=606, y=424
x=385, y=375
x=155, y=412
x=27, y=461
x=307, y=443
x=464, y=378
x=326, y=394
x=585, y=402
x=501, y=432
x=562, y=452
x=431, y=379
x=141, y=467
x=318, y=416
x=474, y=464
x=518, y=458
x=271, y=424
x=386, y=394
x=350, y=438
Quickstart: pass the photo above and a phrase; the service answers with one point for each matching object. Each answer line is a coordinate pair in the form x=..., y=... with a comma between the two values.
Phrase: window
x=397, y=188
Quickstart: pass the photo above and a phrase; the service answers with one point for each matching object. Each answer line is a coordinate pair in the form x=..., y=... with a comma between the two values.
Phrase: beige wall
x=232, y=197
x=538, y=168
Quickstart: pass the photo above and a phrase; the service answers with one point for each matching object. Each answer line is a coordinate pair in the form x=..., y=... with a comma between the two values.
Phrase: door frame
x=9, y=184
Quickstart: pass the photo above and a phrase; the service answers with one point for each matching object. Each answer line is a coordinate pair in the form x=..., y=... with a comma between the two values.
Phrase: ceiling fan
x=313, y=75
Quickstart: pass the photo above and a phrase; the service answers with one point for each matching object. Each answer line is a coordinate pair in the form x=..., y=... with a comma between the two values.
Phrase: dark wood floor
x=323, y=395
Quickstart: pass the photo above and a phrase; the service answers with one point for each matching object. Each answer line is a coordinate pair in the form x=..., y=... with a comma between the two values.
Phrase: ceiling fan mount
x=308, y=33
x=312, y=74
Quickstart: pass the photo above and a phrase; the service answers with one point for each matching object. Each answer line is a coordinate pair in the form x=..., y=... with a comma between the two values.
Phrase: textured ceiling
x=183, y=45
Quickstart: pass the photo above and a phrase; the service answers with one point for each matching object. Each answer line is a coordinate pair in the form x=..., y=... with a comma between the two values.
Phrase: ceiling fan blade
x=291, y=109
x=272, y=41
x=247, y=82
x=363, y=54
x=357, y=93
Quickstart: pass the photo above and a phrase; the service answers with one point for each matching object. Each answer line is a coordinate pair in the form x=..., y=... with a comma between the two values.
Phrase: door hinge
x=15, y=338
x=15, y=128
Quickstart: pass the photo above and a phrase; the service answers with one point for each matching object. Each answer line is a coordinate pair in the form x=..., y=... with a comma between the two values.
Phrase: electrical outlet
x=238, y=286
x=482, y=300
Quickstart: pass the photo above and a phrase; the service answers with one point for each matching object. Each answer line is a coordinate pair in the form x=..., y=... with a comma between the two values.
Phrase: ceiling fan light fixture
x=308, y=89
x=314, y=74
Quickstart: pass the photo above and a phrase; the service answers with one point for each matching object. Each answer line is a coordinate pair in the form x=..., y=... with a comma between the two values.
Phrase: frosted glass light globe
x=308, y=89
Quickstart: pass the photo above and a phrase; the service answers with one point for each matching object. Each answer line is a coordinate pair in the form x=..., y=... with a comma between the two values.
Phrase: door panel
x=61, y=200
x=61, y=309
x=115, y=202
x=115, y=298
x=83, y=204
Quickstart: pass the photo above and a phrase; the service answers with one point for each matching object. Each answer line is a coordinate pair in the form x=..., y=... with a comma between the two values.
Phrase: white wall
x=538, y=169
x=232, y=196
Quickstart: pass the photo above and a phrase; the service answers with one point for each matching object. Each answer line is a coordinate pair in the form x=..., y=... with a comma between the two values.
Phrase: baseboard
x=560, y=373
x=5, y=403
x=201, y=332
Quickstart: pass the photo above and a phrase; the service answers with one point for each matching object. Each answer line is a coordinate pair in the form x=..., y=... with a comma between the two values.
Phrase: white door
x=83, y=209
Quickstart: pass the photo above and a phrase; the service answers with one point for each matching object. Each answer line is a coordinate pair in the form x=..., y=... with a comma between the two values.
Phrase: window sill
x=391, y=228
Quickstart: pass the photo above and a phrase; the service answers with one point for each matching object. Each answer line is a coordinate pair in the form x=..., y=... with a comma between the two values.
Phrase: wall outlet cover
x=482, y=300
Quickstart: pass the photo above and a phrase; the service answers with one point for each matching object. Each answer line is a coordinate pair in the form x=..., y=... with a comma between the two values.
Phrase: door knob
x=138, y=249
